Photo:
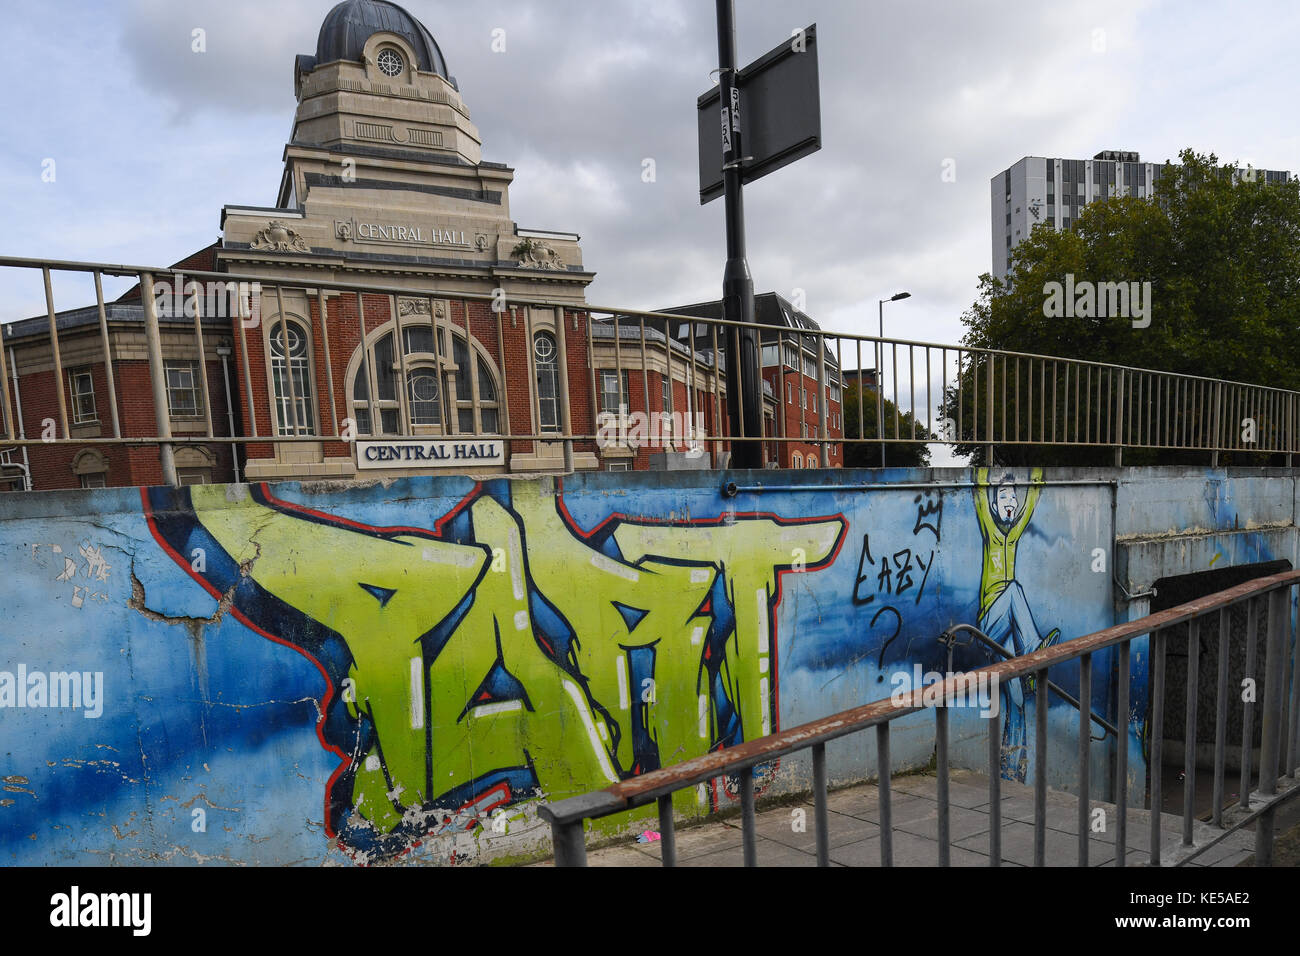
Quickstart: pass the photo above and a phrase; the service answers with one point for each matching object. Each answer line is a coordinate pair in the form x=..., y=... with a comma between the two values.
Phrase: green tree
x=1222, y=254
x=900, y=454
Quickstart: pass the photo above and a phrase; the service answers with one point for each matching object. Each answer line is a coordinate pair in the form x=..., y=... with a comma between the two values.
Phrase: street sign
x=781, y=114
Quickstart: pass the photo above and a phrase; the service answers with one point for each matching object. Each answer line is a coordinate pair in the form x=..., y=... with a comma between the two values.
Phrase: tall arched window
x=437, y=396
x=292, y=337
x=548, y=389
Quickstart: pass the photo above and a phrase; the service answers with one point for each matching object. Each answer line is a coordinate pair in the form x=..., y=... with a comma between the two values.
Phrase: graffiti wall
x=396, y=673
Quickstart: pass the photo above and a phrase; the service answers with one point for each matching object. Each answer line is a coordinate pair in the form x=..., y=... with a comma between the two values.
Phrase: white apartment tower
x=1042, y=190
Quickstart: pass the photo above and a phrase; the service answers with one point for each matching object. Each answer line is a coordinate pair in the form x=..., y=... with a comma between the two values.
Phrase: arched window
x=548, y=389
x=92, y=469
x=437, y=396
x=798, y=460
x=289, y=351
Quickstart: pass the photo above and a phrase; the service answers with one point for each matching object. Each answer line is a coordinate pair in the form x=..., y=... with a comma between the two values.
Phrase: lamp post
x=880, y=374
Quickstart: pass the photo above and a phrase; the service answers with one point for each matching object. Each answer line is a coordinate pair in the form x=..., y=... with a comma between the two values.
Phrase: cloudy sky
x=149, y=139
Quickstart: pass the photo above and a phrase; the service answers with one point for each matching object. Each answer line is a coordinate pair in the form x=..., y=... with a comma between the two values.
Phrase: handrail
x=935, y=392
x=566, y=816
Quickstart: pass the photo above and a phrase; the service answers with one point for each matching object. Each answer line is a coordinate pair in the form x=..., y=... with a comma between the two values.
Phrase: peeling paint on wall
x=399, y=672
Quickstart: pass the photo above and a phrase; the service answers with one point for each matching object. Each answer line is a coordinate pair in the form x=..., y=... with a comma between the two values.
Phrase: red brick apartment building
x=384, y=185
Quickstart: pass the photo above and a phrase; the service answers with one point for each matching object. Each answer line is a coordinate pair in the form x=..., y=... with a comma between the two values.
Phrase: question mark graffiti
x=898, y=626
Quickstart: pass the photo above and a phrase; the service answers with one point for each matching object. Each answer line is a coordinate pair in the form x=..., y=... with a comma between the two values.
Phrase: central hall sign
x=430, y=453
x=398, y=233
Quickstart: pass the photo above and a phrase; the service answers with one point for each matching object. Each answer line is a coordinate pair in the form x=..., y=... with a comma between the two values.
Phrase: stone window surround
x=446, y=326
x=301, y=318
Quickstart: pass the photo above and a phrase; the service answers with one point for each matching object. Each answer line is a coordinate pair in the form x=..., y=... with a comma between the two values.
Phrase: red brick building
x=446, y=361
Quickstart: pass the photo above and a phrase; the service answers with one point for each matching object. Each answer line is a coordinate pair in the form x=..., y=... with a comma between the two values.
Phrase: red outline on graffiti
x=345, y=759
x=283, y=505
x=439, y=525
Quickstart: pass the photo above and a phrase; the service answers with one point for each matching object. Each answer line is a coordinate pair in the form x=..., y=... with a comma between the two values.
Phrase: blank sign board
x=781, y=117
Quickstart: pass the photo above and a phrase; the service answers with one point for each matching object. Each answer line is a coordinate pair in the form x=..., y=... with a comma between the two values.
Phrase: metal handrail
x=568, y=816
x=1086, y=404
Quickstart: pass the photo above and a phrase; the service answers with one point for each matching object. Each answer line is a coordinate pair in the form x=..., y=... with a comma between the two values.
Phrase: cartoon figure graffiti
x=1004, y=611
x=506, y=653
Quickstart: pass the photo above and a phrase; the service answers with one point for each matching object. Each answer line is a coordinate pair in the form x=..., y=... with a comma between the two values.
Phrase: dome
x=349, y=25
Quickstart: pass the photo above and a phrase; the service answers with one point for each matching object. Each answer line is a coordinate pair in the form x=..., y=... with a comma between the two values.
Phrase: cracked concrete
x=138, y=600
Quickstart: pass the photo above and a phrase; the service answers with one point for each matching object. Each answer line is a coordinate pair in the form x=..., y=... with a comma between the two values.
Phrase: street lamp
x=880, y=374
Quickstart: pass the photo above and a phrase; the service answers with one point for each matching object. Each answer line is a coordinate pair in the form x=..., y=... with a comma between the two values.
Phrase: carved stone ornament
x=277, y=237
x=412, y=307
x=532, y=254
x=481, y=242
x=343, y=229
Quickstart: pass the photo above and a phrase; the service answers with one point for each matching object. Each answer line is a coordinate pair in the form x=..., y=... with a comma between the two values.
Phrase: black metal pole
x=744, y=395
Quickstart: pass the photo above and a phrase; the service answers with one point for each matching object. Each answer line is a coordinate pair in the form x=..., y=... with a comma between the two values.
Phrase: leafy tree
x=897, y=454
x=1222, y=255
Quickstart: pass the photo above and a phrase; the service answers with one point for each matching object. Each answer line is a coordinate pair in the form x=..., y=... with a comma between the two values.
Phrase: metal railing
x=1280, y=732
x=949, y=394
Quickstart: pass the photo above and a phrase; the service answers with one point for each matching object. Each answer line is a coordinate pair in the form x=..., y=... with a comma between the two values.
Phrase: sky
x=147, y=139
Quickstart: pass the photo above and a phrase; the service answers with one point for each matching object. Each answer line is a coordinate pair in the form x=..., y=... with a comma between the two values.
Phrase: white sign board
x=430, y=453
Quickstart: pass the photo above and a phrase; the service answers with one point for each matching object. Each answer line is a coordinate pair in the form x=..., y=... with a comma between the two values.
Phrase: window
x=183, y=391
x=424, y=397
x=618, y=466
x=545, y=353
x=613, y=391
x=797, y=460
x=83, y=396
x=91, y=468
x=288, y=347
x=194, y=465
x=389, y=62
x=437, y=397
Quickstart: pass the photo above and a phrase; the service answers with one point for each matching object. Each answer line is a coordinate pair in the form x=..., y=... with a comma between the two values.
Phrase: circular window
x=290, y=334
x=544, y=349
x=424, y=388
x=390, y=62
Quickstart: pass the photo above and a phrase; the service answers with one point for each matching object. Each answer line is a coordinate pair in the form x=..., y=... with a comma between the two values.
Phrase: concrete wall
x=372, y=674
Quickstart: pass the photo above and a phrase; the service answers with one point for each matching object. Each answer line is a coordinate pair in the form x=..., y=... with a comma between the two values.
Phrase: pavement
x=786, y=836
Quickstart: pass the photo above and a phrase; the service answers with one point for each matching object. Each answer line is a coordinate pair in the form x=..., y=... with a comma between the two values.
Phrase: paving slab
x=786, y=835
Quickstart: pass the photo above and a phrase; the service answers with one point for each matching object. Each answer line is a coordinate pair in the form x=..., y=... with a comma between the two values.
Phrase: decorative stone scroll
x=277, y=237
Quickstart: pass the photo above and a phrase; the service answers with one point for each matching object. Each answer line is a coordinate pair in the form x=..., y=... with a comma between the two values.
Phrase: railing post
x=566, y=421
x=822, y=434
x=162, y=416
x=988, y=409
x=880, y=399
x=1217, y=422
x=1270, y=750
x=569, y=842
x=1119, y=421
x=819, y=805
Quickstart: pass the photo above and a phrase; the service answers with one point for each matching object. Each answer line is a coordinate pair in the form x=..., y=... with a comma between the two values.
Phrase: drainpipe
x=22, y=432
x=224, y=351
